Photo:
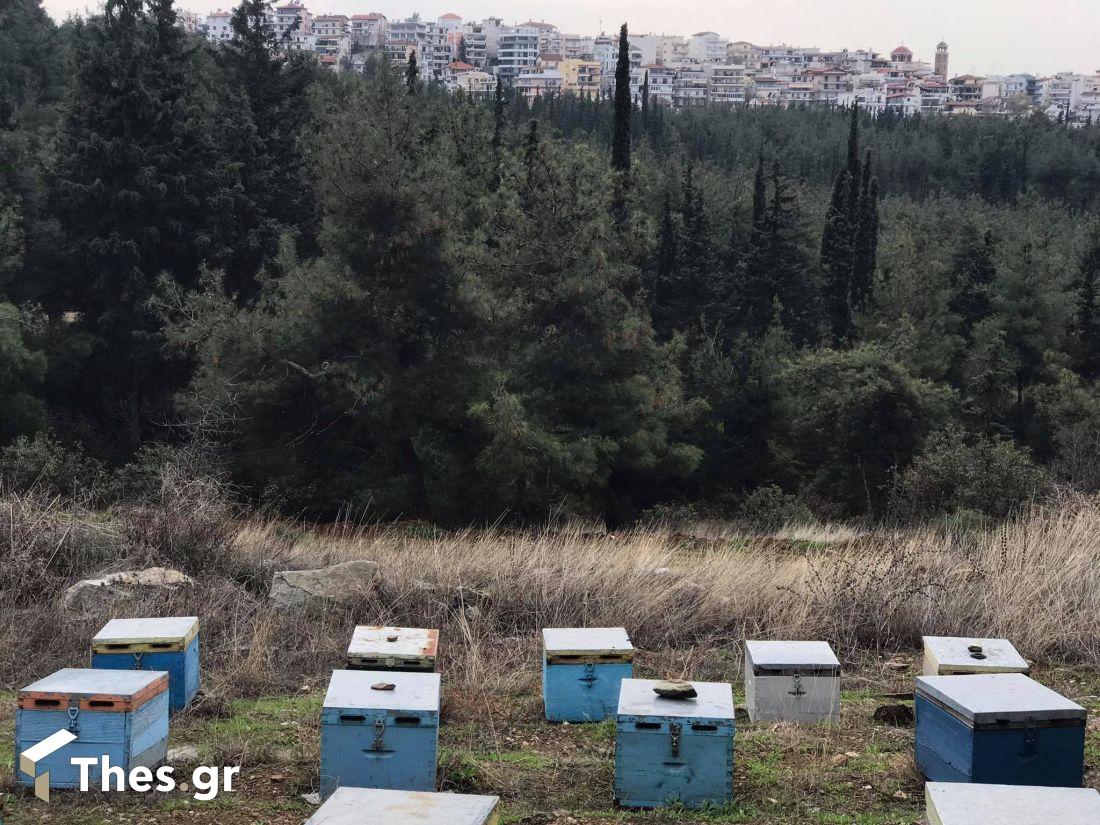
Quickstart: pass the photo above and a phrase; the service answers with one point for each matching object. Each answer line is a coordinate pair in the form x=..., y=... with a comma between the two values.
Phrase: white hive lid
x=785, y=655
x=998, y=697
x=590, y=640
x=411, y=642
x=90, y=682
x=954, y=652
x=352, y=806
x=169, y=629
x=961, y=803
x=351, y=689
x=715, y=701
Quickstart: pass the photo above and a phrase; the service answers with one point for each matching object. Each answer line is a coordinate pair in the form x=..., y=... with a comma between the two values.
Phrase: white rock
x=96, y=596
x=346, y=584
x=183, y=755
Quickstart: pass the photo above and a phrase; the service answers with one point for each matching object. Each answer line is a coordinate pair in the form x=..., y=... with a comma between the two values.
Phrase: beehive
x=406, y=649
x=170, y=645
x=952, y=803
x=354, y=806
x=120, y=714
x=374, y=737
x=950, y=655
x=670, y=751
x=1000, y=729
x=581, y=672
x=792, y=682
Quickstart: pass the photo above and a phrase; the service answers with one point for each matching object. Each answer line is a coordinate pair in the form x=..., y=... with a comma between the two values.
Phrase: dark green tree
x=624, y=107
x=463, y=53
x=412, y=75
x=1088, y=313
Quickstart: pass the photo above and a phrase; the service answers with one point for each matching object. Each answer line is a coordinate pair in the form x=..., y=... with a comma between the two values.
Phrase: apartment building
x=727, y=83
x=517, y=52
x=539, y=83
x=369, y=30
x=218, y=27
x=581, y=77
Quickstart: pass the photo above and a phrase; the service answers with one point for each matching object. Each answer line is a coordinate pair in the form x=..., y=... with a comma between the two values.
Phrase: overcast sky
x=986, y=36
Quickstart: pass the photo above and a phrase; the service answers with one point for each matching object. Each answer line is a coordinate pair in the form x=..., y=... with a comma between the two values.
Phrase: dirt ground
x=858, y=773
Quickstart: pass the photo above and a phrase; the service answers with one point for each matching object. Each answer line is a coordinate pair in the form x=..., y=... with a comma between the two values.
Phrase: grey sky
x=986, y=36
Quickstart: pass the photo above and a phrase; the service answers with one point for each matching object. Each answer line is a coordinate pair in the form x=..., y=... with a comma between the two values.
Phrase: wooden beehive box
x=998, y=729
x=406, y=649
x=950, y=655
x=954, y=803
x=581, y=672
x=372, y=737
x=792, y=682
x=674, y=751
x=170, y=644
x=354, y=806
x=120, y=714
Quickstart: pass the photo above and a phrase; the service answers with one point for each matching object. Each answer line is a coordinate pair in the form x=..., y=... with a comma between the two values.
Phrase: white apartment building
x=477, y=84
x=727, y=83
x=369, y=30
x=537, y=84
x=577, y=47
x=292, y=17
x=517, y=53
x=690, y=88
x=605, y=51
x=551, y=40
x=482, y=40
x=708, y=47
x=450, y=23
x=331, y=25
x=218, y=27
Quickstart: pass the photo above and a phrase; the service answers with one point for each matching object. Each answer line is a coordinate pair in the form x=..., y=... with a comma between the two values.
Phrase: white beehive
x=792, y=682
x=956, y=655
x=961, y=803
x=410, y=649
x=353, y=806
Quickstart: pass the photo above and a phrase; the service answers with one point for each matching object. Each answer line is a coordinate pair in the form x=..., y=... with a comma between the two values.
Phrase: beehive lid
x=413, y=692
x=961, y=803
x=997, y=698
x=577, y=644
x=792, y=657
x=91, y=689
x=146, y=635
x=715, y=701
x=408, y=645
x=352, y=806
x=951, y=654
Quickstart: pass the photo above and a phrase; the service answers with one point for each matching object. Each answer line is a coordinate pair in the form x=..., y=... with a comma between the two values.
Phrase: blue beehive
x=581, y=672
x=380, y=729
x=671, y=751
x=170, y=644
x=122, y=715
x=998, y=729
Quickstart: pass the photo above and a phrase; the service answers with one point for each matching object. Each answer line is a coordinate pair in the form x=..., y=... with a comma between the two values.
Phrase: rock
x=344, y=584
x=183, y=755
x=383, y=686
x=98, y=596
x=900, y=795
x=423, y=587
x=675, y=689
x=900, y=716
x=838, y=760
x=312, y=798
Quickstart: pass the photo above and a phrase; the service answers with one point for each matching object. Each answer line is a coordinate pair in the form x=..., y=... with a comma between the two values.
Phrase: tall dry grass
x=687, y=599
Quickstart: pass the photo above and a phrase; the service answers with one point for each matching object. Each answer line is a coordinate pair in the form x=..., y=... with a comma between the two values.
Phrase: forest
x=360, y=293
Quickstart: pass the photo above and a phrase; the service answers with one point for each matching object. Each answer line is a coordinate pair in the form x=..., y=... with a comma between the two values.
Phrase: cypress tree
x=412, y=75
x=1088, y=313
x=836, y=260
x=759, y=194
x=865, y=240
x=645, y=100
x=620, y=141
x=498, y=116
x=463, y=54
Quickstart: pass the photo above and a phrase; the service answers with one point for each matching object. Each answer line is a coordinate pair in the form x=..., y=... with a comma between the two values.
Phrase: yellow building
x=580, y=76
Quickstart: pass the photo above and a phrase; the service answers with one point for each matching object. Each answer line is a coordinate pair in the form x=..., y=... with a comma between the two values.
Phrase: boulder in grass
x=95, y=597
x=345, y=584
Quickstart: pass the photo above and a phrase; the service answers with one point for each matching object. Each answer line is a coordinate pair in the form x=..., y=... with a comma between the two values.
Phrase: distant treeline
x=362, y=292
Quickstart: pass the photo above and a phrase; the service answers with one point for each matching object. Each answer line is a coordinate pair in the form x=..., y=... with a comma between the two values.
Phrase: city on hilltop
x=536, y=58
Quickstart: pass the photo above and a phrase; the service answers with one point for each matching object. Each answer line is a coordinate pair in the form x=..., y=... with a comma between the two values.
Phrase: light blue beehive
x=955, y=803
x=169, y=644
x=120, y=714
x=998, y=729
x=354, y=806
x=581, y=672
x=670, y=751
x=377, y=738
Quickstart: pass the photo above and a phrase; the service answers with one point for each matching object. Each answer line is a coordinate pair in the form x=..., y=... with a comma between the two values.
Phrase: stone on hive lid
x=675, y=689
x=997, y=698
x=411, y=691
x=945, y=655
x=352, y=806
x=962, y=803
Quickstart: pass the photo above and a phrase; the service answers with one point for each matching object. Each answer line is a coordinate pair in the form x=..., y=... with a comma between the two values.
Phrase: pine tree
x=624, y=110
x=1088, y=313
x=498, y=116
x=972, y=275
x=759, y=195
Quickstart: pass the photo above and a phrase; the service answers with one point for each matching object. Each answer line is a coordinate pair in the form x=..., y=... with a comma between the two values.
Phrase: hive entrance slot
x=47, y=703
x=704, y=728
x=407, y=721
x=647, y=725
x=352, y=718
x=100, y=703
